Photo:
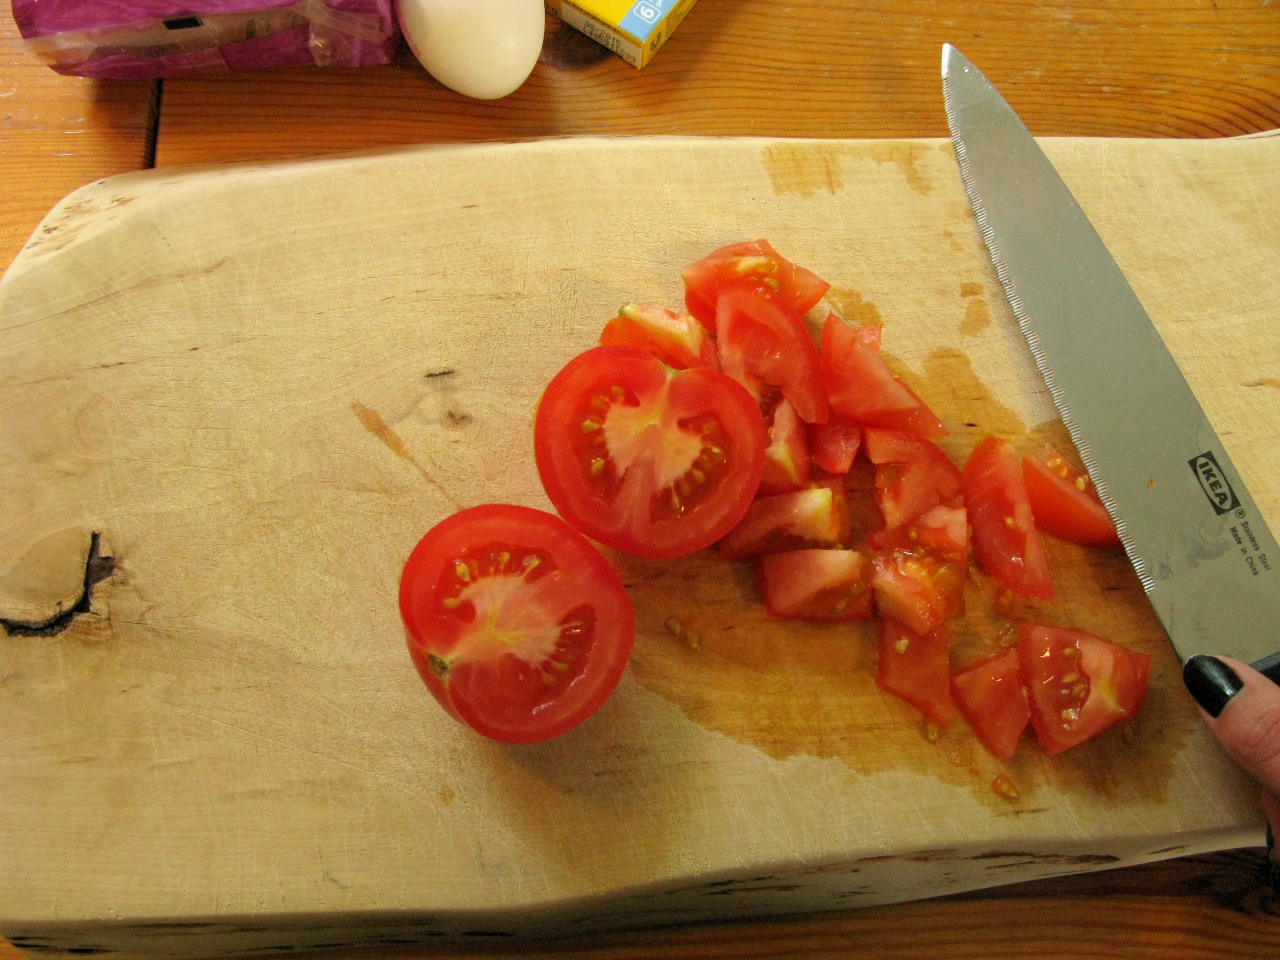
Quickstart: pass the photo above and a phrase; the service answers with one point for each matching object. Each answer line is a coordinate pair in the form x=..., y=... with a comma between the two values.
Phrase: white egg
x=481, y=48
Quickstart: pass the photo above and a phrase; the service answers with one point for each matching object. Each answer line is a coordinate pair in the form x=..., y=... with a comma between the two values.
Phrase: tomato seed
x=590, y=426
x=462, y=571
x=1004, y=787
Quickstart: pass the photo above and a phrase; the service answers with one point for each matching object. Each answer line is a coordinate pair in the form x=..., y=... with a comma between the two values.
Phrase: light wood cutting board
x=255, y=387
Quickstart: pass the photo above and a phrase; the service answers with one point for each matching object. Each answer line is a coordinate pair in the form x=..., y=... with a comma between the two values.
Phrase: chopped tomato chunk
x=678, y=341
x=755, y=265
x=829, y=586
x=786, y=458
x=863, y=389
x=817, y=516
x=1064, y=501
x=992, y=699
x=1079, y=684
x=834, y=445
x=912, y=474
x=1006, y=542
x=917, y=668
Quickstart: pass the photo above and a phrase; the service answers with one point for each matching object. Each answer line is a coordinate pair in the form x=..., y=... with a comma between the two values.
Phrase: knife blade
x=1204, y=553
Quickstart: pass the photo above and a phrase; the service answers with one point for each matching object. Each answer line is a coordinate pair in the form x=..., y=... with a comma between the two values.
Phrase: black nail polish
x=1211, y=682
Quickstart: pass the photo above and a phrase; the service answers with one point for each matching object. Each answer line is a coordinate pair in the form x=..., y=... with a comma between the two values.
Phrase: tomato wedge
x=768, y=350
x=1005, y=540
x=755, y=265
x=912, y=474
x=517, y=624
x=921, y=568
x=678, y=341
x=817, y=516
x=1078, y=684
x=991, y=697
x=649, y=460
x=862, y=388
x=827, y=586
x=1064, y=501
x=786, y=458
x=917, y=668
x=834, y=445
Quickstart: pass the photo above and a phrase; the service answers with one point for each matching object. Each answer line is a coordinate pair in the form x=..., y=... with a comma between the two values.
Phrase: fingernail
x=1211, y=682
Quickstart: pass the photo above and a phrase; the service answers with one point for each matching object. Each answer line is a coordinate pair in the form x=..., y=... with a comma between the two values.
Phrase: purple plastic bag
x=144, y=39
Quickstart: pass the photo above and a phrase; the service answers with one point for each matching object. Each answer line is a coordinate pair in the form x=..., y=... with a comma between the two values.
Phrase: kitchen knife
x=1203, y=552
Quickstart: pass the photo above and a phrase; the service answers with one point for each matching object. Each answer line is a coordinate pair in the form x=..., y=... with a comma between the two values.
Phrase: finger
x=1242, y=709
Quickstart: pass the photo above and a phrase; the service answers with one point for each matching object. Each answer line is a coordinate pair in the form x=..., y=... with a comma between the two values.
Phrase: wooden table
x=810, y=68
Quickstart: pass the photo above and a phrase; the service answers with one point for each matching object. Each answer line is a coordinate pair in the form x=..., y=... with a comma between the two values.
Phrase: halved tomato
x=677, y=340
x=786, y=457
x=912, y=474
x=1064, y=501
x=768, y=350
x=917, y=668
x=828, y=586
x=992, y=699
x=756, y=265
x=817, y=516
x=518, y=626
x=862, y=388
x=834, y=445
x=1078, y=684
x=646, y=459
x=1005, y=539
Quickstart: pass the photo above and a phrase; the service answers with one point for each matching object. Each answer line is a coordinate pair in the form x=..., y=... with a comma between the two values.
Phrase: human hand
x=1242, y=710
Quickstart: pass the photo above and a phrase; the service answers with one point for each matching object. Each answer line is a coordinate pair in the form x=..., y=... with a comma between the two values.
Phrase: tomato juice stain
x=790, y=688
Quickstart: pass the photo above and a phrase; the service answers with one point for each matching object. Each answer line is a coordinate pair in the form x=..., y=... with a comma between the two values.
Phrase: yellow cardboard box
x=633, y=29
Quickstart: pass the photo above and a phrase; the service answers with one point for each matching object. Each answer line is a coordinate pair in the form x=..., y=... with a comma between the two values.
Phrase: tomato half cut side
x=1006, y=542
x=990, y=696
x=516, y=623
x=1079, y=684
x=1064, y=501
x=645, y=459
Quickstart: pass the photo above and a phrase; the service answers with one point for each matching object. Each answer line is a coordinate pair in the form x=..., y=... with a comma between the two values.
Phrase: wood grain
x=193, y=372
x=811, y=68
x=58, y=133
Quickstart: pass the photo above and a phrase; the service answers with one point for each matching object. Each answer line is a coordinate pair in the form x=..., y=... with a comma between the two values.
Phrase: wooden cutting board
x=253, y=388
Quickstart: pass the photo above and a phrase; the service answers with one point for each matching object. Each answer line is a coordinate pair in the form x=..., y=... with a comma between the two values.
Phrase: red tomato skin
x=678, y=341
x=436, y=632
x=917, y=668
x=768, y=349
x=1006, y=542
x=1062, y=506
x=756, y=264
x=563, y=451
x=862, y=388
x=991, y=697
x=913, y=474
x=824, y=586
x=834, y=445
x=1078, y=684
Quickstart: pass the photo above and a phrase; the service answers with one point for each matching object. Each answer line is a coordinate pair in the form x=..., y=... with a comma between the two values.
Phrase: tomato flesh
x=786, y=458
x=817, y=516
x=678, y=341
x=1006, y=541
x=517, y=625
x=1064, y=501
x=769, y=351
x=827, y=586
x=834, y=445
x=755, y=265
x=1078, y=684
x=991, y=697
x=912, y=474
x=649, y=460
x=917, y=668
x=862, y=388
